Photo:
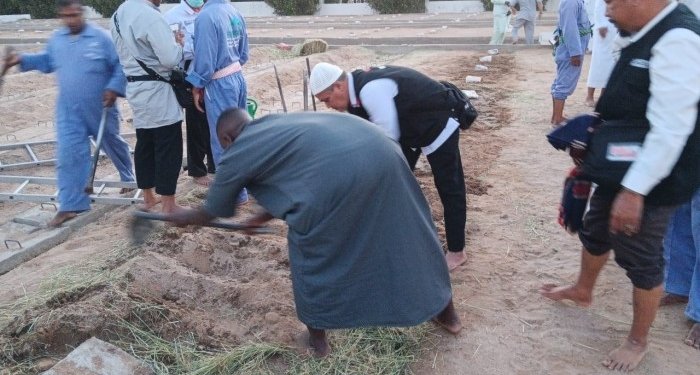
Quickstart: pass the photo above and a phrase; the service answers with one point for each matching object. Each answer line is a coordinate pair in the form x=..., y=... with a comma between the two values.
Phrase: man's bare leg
x=318, y=342
x=693, y=338
x=630, y=353
x=581, y=292
x=448, y=319
x=150, y=199
x=169, y=204
x=203, y=180
x=590, y=97
x=455, y=259
x=558, y=111
x=672, y=299
x=60, y=218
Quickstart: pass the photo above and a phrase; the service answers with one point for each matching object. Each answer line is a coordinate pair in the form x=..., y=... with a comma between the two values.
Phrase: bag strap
x=154, y=76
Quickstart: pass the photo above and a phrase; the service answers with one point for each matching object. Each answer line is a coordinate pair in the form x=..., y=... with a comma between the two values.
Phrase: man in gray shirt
x=525, y=18
x=140, y=33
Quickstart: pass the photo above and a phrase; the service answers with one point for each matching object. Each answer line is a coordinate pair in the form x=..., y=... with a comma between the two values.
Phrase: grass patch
x=70, y=283
x=358, y=351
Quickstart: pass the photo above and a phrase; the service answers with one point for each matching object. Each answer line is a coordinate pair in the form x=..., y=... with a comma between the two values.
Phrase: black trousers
x=158, y=158
x=448, y=175
x=641, y=255
x=198, y=146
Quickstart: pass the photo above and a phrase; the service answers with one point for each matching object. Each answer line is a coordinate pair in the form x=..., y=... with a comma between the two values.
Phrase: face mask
x=195, y=3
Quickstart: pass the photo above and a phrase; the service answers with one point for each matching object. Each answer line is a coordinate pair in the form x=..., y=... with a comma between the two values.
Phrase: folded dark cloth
x=574, y=200
x=575, y=133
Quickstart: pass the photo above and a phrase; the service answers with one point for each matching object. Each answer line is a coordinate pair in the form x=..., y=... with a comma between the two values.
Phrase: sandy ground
x=228, y=288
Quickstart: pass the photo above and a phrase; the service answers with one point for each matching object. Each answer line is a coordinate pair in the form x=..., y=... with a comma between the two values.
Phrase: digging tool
x=279, y=85
x=143, y=222
x=308, y=72
x=306, y=91
x=8, y=51
x=96, y=157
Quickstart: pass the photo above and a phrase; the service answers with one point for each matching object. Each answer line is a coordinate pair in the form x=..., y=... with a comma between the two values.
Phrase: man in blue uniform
x=89, y=79
x=574, y=33
x=220, y=50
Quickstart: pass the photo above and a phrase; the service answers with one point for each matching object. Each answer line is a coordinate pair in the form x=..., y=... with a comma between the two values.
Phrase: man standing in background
x=181, y=18
x=501, y=18
x=89, y=80
x=220, y=50
x=602, y=60
x=574, y=31
x=525, y=18
x=143, y=37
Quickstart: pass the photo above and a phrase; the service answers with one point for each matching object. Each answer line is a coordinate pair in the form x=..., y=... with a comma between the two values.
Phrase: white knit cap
x=323, y=75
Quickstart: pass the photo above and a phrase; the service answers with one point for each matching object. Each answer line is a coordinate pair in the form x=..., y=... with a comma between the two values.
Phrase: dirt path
x=516, y=245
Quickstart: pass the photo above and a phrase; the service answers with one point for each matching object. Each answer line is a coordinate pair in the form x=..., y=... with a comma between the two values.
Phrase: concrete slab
x=96, y=357
x=27, y=236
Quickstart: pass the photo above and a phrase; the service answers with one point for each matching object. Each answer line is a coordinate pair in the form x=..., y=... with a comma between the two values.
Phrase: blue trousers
x=74, y=161
x=567, y=77
x=682, y=254
x=220, y=95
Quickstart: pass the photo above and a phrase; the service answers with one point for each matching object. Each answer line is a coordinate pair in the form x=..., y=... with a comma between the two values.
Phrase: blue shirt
x=573, y=22
x=220, y=39
x=85, y=64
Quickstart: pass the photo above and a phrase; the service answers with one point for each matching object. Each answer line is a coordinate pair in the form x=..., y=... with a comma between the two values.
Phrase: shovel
x=143, y=223
x=96, y=156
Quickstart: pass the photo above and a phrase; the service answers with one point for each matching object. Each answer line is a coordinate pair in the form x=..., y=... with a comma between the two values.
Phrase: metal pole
x=308, y=70
x=279, y=85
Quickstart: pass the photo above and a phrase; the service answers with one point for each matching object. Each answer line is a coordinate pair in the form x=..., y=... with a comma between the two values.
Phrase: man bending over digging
x=363, y=249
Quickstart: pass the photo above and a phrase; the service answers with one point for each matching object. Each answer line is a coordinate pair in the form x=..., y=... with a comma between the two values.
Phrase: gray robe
x=363, y=249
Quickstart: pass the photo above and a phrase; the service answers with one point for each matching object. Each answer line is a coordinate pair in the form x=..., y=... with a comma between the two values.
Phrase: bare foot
x=672, y=299
x=580, y=297
x=455, y=259
x=126, y=190
x=203, y=181
x=590, y=102
x=626, y=357
x=60, y=218
x=693, y=338
x=448, y=319
x=150, y=200
x=318, y=342
x=148, y=205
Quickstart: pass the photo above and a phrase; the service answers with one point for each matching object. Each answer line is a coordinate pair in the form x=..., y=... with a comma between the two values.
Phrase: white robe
x=602, y=60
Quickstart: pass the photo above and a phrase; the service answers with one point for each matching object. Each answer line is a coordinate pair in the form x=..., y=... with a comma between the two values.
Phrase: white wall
x=14, y=17
x=359, y=9
x=454, y=6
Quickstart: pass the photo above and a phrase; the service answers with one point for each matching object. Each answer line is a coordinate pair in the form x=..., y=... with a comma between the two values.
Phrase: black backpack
x=465, y=113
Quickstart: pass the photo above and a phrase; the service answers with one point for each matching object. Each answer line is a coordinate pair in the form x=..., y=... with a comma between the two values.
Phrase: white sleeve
x=672, y=110
x=600, y=20
x=377, y=98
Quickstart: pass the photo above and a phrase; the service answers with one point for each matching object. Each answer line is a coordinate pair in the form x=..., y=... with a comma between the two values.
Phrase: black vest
x=423, y=104
x=626, y=97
